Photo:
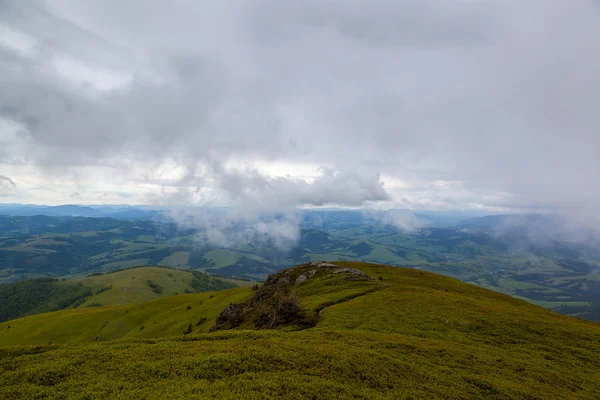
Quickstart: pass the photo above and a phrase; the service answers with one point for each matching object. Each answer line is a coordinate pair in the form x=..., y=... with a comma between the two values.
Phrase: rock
x=348, y=271
x=326, y=265
x=319, y=264
x=283, y=281
x=230, y=317
x=354, y=274
x=312, y=273
x=300, y=279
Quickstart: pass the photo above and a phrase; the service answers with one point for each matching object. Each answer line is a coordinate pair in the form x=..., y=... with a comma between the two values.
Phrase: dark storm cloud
x=499, y=95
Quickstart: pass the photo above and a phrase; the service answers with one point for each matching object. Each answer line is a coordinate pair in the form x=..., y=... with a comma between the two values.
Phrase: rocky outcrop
x=276, y=302
x=232, y=316
x=354, y=274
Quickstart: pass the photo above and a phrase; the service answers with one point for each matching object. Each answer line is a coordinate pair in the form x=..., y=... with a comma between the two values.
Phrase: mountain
x=134, y=285
x=556, y=273
x=70, y=210
x=320, y=330
x=314, y=218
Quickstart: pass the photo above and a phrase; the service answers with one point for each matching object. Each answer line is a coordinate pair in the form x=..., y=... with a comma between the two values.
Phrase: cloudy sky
x=422, y=104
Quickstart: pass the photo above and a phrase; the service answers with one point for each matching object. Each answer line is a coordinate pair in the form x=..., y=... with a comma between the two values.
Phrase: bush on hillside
x=230, y=317
x=156, y=288
x=283, y=309
x=204, y=283
x=103, y=289
x=275, y=304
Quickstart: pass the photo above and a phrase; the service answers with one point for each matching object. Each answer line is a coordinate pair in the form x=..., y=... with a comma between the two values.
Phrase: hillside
x=129, y=286
x=337, y=334
x=135, y=285
x=556, y=274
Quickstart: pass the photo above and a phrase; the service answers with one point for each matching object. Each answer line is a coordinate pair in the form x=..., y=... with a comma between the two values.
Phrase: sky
x=486, y=105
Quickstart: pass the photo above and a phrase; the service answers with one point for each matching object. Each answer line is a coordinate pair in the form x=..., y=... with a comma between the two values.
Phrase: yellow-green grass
x=554, y=304
x=410, y=335
x=335, y=257
x=124, y=264
x=239, y=282
x=41, y=241
x=131, y=285
x=177, y=259
x=129, y=249
x=162, y=317
x=224, y=257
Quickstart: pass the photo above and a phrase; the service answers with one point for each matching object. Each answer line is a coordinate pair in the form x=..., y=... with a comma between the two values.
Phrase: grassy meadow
x=407, y=334
x=129, y=286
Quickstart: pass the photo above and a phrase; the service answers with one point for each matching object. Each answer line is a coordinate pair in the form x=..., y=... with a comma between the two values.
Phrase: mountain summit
x=319, y=330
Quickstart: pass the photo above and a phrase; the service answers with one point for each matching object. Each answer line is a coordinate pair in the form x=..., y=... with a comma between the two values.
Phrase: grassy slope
x=162, y=317
x=420, y=336
x=131, y=285
x=239, y=282
x=123, y=287
x=19, y=299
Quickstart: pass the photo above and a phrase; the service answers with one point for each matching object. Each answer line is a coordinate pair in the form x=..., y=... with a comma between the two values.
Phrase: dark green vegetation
x=39, y=296
x=410, y=334
x=134, y=285
x=554, y=273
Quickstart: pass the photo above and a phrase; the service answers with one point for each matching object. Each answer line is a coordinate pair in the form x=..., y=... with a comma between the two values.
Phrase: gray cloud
x=226, y=229
x=351, y=188
x=7, y=185
x=499, y=96
x=6, y=182
x=404, y=220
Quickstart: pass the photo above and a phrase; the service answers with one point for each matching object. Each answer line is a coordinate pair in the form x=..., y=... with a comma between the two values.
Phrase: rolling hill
x=509, y=254
x=129, y=286
x=341, y=330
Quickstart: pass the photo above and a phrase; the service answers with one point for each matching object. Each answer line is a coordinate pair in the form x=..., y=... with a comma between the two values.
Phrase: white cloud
x=19, y=42
x=417, y=104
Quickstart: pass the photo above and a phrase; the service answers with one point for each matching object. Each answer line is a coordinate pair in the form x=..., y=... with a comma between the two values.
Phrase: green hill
x=35, y=296
x=334, y=334
x=558, y=275
x=133, y=285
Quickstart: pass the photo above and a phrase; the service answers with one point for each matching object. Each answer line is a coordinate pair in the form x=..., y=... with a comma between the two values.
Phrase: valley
x=553, y=273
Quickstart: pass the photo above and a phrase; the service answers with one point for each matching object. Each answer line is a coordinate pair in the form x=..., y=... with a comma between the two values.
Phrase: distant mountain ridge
x=116, y=212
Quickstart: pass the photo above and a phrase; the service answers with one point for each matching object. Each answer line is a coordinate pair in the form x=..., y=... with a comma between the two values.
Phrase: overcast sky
x=462, y=104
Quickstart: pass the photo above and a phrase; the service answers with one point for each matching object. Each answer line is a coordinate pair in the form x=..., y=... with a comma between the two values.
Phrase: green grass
x=131, y=285
x=555, y=304
x=410, y=335
x=239, y=282
x=222, y=257
x=225, y=257
x=512, y=285
x=177, y=259
x=124, y=264
x=162, y=317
